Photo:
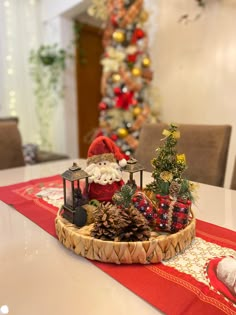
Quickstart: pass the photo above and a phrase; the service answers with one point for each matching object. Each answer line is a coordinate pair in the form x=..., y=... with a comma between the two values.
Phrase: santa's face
x=104, y=172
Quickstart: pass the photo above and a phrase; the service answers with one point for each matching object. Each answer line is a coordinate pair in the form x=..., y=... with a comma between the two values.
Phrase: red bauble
x=117, y=91
x=137, y=34
x=102, y=106
x=114, y=137
x=132, y=58
x=134, y=102
x=114, y=20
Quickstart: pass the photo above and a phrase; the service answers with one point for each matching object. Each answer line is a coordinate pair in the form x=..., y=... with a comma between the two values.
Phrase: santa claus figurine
x=104, y=164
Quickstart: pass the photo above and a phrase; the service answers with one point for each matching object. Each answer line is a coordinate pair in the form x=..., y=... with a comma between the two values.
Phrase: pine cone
x=174, y=189
x=107, y=222
x=136, y=226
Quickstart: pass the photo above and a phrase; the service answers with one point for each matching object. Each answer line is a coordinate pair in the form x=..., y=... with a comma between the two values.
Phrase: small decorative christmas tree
x=173, y=192
x=169, y=167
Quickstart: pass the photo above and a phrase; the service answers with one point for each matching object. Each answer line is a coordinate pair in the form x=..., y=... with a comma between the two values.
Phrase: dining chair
x=10, y=144
x=205, y=147
x=233, y=179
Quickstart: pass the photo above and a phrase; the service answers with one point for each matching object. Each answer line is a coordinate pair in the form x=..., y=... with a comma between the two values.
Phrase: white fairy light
x=13, y=112
x=10, y=71
x=6, y=4
x=4, y=309
x=32, y=2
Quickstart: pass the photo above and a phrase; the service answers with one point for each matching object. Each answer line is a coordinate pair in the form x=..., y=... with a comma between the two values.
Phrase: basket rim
x=152, y=239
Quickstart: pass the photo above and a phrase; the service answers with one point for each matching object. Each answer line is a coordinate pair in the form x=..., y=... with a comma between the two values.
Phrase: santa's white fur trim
x=123, y=162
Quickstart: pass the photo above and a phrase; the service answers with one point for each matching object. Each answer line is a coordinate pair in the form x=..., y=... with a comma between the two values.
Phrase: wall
x=57, y=22
x=195, y=66
x=54, y=8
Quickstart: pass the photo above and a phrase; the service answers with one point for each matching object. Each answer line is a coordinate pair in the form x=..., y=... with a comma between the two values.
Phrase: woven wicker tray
x=158, y=248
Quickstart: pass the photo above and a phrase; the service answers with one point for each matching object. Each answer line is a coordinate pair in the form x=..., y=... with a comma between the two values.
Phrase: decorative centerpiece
x=128, y=223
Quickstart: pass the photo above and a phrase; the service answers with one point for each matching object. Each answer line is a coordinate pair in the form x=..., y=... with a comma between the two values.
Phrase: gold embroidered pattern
x=193, y=260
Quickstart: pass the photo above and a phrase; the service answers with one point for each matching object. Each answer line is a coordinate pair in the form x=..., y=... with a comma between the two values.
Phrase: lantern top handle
x=132, y=160
x=75, y=167
x=74, y=173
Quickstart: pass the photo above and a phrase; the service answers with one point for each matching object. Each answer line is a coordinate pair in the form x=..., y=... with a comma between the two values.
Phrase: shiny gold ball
x=122, y=132
x=136, y=72
x=116, y=77
x=146, y=62
x=144, y=16
x=137, y=111
x=118, y=36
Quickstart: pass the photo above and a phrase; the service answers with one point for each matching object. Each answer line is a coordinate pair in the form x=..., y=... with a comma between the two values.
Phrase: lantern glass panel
x=76, y=193
x=69, y=196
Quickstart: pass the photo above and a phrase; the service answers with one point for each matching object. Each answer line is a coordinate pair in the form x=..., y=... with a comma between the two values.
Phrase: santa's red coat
x=104, y=192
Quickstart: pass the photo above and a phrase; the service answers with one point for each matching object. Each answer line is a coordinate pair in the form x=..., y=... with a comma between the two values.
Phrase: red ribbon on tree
x=124, y=100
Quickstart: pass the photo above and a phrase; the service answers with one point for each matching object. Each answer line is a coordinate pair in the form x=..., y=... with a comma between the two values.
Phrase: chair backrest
x=205, y=147
x=233, y=179
x=10, y=144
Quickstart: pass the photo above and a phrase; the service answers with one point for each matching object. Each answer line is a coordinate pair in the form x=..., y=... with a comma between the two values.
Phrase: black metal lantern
x=133, y=167
x=74, y=199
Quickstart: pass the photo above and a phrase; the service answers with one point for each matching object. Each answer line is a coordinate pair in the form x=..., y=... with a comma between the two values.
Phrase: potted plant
x=47, y=65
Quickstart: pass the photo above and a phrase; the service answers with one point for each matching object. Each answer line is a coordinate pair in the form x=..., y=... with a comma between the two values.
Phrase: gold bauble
x=136, y=72
x=144, y=16
x=146, y=62
x=118, y=36
x=122, y=132
x=137, y=111
x=116, y=77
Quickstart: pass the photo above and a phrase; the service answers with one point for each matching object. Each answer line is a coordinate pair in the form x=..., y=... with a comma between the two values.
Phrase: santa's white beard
x=104, y=173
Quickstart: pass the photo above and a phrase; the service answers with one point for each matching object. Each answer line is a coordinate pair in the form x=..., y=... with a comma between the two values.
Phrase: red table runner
x=171, y=286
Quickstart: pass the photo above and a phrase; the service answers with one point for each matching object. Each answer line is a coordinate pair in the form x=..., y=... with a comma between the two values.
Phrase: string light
x=11, y=100
x=12, y=64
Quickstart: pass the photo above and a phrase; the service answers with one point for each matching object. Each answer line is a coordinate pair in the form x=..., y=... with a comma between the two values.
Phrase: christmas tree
x=169, y=167
x=126, y=71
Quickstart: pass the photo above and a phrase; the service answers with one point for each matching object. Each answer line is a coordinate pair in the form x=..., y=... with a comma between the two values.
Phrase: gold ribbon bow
x=174, y=134
x=181, y=158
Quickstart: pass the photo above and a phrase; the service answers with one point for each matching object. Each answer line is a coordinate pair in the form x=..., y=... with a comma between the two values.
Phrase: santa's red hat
x=103, y=148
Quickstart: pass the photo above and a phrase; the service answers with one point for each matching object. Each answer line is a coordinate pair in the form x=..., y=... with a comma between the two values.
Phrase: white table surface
x=40, y=276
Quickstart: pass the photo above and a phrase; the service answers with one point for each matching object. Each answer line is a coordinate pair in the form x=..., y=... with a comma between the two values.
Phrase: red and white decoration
x=104, y=167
